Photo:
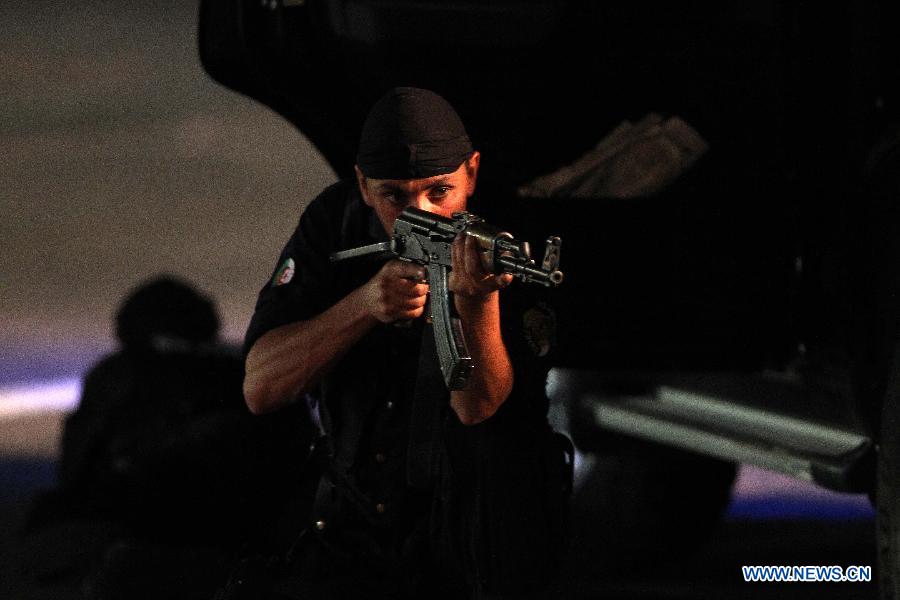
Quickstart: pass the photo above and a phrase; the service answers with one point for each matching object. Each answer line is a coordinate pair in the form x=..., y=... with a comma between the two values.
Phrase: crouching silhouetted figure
x=163, y=468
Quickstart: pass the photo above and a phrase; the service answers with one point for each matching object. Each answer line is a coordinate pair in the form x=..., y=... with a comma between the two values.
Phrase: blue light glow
x=61, y=395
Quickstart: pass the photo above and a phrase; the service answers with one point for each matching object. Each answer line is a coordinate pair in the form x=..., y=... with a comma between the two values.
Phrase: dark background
x=120, y=158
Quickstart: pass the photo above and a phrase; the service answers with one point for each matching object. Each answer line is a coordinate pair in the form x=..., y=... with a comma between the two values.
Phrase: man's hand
x=468, y=279
x=478, y=304
x=396, y=292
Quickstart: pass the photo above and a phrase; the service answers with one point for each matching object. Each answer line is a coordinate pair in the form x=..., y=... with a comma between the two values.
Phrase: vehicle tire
x=644, y=505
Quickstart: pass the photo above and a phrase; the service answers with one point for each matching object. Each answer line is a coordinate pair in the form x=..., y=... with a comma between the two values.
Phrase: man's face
x=442, y=194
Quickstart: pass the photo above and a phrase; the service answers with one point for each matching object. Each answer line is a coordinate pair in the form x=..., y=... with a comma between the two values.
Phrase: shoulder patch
x=284, y=274
x=539, y=328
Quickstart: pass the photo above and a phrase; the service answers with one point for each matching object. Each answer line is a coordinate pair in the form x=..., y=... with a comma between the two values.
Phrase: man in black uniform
x=486, y=517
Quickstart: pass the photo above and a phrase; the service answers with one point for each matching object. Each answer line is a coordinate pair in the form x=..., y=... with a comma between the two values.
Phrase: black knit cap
x=412, y=133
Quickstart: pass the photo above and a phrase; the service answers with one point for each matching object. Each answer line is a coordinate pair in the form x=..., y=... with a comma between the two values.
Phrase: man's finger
x=417, y=302
x=472, y=260
x=411, y=289
x=406, y=270
x=456, y=268
x=414, y=313
x=455, y=254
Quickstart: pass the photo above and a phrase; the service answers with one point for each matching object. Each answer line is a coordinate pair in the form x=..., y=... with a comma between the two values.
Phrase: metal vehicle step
x=699, y=418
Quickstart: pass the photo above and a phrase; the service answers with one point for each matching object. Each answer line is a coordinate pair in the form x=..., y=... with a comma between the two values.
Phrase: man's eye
x=440, y=191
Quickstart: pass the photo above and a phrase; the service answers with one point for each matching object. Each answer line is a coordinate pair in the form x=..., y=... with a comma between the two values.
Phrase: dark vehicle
x=734, y=303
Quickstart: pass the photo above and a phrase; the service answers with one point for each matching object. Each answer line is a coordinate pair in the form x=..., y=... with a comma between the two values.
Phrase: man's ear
x=472, y=164
x=361, y=182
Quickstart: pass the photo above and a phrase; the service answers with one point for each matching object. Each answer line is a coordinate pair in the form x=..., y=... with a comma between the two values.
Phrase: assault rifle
x=425, y=238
